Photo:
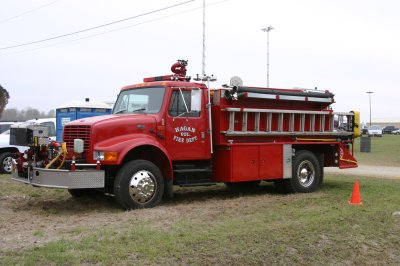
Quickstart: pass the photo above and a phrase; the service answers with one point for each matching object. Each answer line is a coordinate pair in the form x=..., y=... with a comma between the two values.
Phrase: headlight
x=108, y=156
x=98, y=155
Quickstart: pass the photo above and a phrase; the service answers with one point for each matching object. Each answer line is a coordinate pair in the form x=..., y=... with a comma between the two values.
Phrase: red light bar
x=159, y=78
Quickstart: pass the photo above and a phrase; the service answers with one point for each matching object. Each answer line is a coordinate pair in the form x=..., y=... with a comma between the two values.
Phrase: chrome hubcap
x=7, y=164
x=306, y=173
x=142, y=186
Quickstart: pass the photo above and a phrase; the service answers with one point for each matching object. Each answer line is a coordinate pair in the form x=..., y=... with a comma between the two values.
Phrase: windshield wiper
x=139, y=109
x=120, y=111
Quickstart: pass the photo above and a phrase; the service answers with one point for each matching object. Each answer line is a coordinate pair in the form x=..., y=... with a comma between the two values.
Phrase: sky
x=347, y=47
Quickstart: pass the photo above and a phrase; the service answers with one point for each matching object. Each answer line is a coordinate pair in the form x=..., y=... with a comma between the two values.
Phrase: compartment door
x=271, y=161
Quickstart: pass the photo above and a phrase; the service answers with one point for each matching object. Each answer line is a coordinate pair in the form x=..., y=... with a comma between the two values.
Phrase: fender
x=124, y=144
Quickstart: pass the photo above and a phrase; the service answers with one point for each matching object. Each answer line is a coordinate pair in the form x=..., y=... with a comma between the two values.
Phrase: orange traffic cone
x=355, y=196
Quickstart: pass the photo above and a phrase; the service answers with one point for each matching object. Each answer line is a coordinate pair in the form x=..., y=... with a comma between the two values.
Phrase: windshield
x=142, y=100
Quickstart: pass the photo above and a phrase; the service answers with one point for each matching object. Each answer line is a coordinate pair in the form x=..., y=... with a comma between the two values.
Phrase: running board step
x=191, y=171
x=189, y=177
x=209, y=183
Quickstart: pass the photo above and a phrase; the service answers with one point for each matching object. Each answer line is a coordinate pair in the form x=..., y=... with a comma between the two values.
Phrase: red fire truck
x=170, y=131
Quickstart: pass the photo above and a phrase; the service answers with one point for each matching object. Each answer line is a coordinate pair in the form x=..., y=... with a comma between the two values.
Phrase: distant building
x=386, y=122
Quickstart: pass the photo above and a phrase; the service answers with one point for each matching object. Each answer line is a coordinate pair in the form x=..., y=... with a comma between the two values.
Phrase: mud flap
x=346, y=158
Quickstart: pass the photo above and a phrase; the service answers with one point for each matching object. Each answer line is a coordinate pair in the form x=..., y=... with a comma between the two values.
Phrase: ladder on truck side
x=288, y=122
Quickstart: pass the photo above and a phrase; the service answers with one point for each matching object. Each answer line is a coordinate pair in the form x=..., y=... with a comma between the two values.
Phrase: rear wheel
x=139, y=184
x=6, y=163
x=306, y=173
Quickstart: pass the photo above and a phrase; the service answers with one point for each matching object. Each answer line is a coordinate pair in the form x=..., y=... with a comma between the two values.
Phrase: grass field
x=208, y=226
x=385, y=151
x=205, y=226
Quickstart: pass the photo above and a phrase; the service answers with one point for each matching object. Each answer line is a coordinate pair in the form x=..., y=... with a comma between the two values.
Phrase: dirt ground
x=27, y=222
x=31, y=221
x=370, y=171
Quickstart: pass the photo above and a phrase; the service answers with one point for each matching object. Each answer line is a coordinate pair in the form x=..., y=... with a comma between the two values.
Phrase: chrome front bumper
x=53, y=178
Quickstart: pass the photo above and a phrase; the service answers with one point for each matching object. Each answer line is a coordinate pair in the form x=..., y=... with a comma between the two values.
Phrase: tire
x=6, y=163
x=168, y=189
x=306, y=173
x=139, y=184
x=321, y=177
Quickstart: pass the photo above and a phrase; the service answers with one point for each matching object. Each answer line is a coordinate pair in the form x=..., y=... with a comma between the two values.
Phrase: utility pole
x=267, y=30
x=370, y=109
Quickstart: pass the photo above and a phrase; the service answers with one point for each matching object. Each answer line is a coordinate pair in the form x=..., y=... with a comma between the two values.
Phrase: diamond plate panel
x=287, y=161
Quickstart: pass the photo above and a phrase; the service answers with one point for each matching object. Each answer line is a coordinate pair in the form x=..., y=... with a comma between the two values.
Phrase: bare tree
x=31, y=113
x=10, y=115
x=51, y=113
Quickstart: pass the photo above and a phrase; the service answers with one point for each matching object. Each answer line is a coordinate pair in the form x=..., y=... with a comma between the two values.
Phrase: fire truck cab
x=169, y=131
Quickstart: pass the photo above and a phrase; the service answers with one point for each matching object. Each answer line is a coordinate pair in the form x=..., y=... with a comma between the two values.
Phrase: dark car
x=388, y=129
x=364, y=131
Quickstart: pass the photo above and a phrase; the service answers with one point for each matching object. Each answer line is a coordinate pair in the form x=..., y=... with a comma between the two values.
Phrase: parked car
x=364, y=131
x=7, y=150
x=388, y=129
x=374, y=131
x=396, y=132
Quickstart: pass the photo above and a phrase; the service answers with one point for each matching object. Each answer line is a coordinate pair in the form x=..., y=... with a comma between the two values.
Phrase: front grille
x=77, y=132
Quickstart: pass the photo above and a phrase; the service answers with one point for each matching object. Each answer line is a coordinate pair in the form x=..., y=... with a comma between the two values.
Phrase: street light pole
x=370, y=120
x=267, y=30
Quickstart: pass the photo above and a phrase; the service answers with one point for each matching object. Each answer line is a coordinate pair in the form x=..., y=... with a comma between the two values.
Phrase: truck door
x=186, y=123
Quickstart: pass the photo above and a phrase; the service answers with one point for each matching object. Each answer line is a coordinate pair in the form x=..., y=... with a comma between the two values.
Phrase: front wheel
x=306, y=173
x=139, y=184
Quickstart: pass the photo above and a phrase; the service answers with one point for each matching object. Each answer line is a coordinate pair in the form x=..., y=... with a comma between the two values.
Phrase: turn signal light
x=110, y=156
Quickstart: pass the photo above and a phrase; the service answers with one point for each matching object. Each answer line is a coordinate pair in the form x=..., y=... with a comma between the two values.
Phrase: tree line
x=13, y=114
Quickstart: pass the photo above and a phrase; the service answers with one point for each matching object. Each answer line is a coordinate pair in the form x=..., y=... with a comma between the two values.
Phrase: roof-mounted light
x=159, y=78
x=179, y=70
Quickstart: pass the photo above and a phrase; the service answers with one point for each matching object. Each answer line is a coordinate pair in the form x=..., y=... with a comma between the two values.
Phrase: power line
x=96, y=27
x=29, y=11
x=113, y=30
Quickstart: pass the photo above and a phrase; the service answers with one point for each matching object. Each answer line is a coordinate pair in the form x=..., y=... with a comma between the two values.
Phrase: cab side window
x=180, y=104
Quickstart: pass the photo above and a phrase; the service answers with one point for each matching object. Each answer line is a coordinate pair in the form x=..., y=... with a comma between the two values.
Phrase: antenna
x=203, y=69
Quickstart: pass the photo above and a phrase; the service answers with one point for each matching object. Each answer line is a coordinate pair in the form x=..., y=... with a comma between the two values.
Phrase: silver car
x=374, y=131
